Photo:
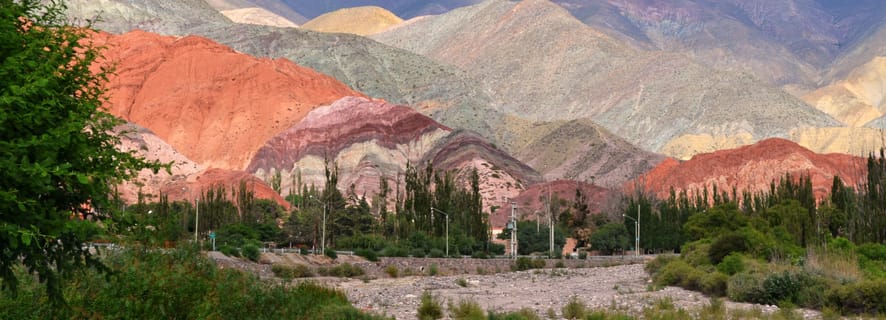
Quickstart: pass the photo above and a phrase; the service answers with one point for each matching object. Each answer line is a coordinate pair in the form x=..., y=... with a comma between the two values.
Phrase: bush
x=289, y=272
x=392, y=271
x=395, y=251
x=746, y=287
x=522, y=314
x=696, y=253
x=731, y=264
x=417, y=253
x=860, y=297
x=466, y=310
x=526, y=263
x=430, y=308
x=479, y=255
x=250, y=251
x=436, y=253
x=574, y=309
x=654, y=266
x=432, y=270
x=559, y=264
x=714, y=283
x=725, y=245
x=784, y=286
x=344, y=270
x=229, y=251
x=369, y=254
x=679, y=273
x=461, y=282
x=331, y=254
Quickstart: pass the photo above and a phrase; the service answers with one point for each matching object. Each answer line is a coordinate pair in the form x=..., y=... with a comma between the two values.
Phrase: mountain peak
x=358, y=20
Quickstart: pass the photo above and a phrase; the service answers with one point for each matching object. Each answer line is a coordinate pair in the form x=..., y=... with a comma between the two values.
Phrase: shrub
x=417, y=253
x=461, y=282
x=250, y=251
x=654, y=266
x=746, y=287
x=289, y=272
x=522, y=314
x=725, y=245
x=430, y=308
x=784, y=286
x=559, y=264
x=696, y=253
x=436, y=253
x=466, y=310
x=331, y=254
x=574, y=309
x=479, y=255
x=369, y=254
x=392, y=271
x=714, y=283
x=432, y=270
x=344, y=270
x=731, y=264
x=526, y=263
x=229, y=251
x=583, y=255
x=395, y=251
x=679, y=273
x=861, y=297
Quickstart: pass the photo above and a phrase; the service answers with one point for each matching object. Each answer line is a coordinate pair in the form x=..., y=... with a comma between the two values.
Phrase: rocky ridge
x=751, y=168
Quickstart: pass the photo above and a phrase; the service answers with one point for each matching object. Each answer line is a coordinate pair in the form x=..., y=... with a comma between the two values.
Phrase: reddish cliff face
x=531, y=202
x=752, y=168
x=214, y=105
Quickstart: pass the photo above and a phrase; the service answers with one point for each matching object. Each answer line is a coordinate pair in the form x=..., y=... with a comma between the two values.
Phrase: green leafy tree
x=610, y=237
x=58, y=160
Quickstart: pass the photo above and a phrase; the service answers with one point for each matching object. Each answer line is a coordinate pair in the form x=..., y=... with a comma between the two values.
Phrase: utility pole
x=197, y=219
x=323, y=235
x=514, y=229
x=447, y=227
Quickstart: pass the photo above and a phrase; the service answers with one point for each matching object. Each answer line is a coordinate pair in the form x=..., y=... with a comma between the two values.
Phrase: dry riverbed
x=619, y=287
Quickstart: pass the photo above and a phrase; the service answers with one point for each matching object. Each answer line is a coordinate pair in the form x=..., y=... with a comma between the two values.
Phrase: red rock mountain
x=753, y=168
x=370, y=140
x=214, y=105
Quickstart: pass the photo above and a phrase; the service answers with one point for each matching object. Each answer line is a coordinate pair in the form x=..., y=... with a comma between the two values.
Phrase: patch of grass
x=430, y=308
x=344, y=270
x=392, y=271
x=466, y=310
x=290, y=272
x=574, y=309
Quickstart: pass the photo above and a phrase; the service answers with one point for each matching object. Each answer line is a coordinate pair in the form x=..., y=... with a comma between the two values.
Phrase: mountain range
x=594, y=94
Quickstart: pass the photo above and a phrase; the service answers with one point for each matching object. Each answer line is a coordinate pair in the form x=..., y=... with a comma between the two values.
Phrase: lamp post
x=447, y=227
x=637, y=240
x=514, y=229
x=323, y=236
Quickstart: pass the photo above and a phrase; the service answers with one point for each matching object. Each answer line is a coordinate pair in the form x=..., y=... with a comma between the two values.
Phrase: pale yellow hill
x=688, y=145
x=358, y=20
x=855, y=141
x=856, y=100
x=258, y=16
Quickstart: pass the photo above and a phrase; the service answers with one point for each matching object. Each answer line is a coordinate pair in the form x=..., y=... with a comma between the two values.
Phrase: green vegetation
x=430, y=307
x=174, y=284
x=466, y=310
x=766, y=256
x=59, y=160
x=526, y=263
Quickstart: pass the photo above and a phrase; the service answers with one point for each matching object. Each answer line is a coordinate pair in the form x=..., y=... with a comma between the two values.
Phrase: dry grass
x=833, y=264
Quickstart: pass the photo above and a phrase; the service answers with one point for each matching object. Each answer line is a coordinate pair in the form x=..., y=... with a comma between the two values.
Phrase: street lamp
x=323, y=236
x=637, y=240
x=447, y=227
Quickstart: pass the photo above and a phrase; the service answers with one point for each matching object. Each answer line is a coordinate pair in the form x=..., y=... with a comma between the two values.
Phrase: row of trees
x=857, y=214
